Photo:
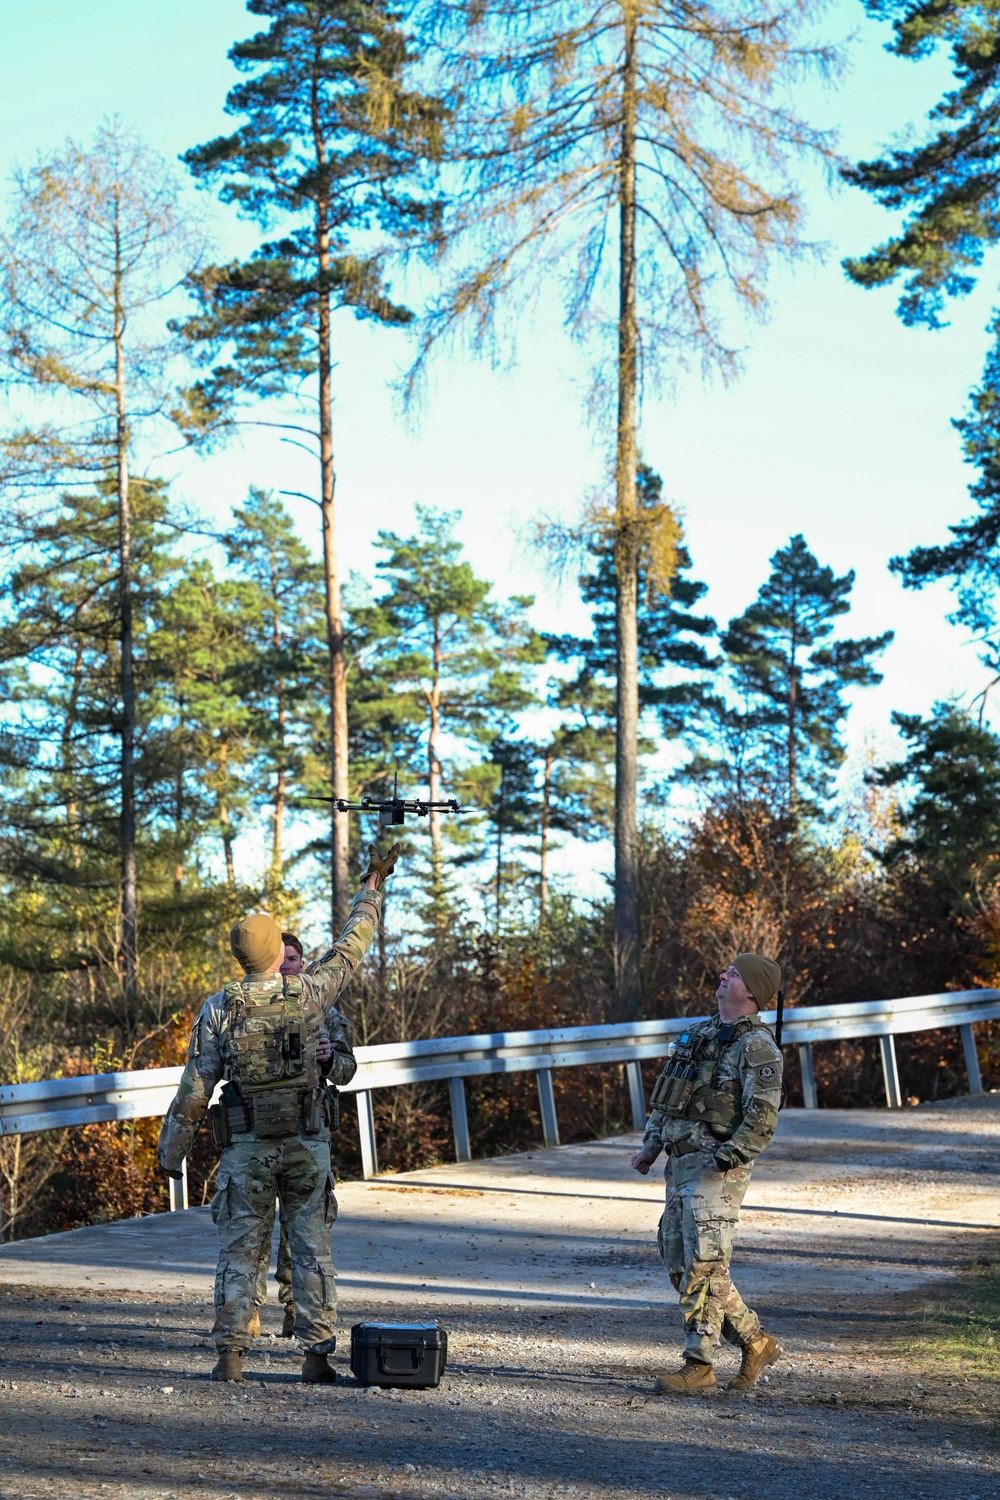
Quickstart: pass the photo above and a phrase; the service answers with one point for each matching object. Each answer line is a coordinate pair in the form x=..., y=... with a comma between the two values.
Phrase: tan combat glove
x=381, y=865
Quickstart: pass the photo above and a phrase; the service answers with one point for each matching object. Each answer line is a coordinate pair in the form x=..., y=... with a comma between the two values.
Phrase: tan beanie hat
x=762, y=977
x=257, y=942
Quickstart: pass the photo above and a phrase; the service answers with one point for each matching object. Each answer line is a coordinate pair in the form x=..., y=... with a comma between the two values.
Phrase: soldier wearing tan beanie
x=266, y=1036
x=714, y=1109
x=257, y=944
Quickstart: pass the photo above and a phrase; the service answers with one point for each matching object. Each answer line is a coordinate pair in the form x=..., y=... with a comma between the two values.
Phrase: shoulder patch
x=760, y=1046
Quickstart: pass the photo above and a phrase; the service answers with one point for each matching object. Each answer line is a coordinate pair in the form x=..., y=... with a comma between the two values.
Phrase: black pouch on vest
x=218, y=1124
x=411, y=1355
x=331, y=1103
x=236, y=1111
x=313, y=1112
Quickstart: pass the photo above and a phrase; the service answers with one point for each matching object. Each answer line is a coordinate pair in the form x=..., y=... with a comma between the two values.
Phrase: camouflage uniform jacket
x=209, y=1053
x=746, y=1068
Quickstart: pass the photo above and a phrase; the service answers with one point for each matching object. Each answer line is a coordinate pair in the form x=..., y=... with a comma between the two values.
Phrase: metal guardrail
x=57, y=1103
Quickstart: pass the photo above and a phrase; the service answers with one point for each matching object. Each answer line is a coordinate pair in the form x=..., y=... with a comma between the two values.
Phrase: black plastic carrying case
x=398, y=1354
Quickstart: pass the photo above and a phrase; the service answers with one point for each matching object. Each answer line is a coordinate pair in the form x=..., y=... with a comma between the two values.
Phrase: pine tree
x=95, y=242
x=791, y=678
x=331, y=149
x=206, y=655
x=454, y=651
x=577, y=795
x=60, y=644
x=512, y=811
x=641, y=154
x=674, y=665
x=945, y=185
x=951, y=817
x=278, y=675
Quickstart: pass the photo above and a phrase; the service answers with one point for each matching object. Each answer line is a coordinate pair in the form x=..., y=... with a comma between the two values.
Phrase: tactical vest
x=688, y=1089
x=269, y=1059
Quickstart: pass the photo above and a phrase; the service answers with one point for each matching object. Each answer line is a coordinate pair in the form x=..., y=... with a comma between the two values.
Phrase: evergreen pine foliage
x=675, y=663
x=334, y=147
x=456, y=657
x=950, y=822
x=791, y=678
x=512, y=810
x=945, y=185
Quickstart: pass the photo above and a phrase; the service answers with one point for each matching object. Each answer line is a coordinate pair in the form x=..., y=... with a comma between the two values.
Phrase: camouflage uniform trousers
x=283, y=1267
x=251, y=1173
x=695, y=1240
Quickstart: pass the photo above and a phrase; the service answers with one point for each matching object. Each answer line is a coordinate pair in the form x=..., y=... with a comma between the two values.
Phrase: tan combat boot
x=759, y=1352
x=229, y=1366
x=288, y=1322
x=694, y=1378
x=253, y=1327
x=316, y=1369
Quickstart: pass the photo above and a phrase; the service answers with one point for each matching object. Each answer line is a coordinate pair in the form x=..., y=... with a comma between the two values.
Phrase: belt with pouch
x=685, y=1148
x=278, y=1113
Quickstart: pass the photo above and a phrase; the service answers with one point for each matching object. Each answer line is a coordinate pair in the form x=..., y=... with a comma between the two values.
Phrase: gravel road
x=542, y=1269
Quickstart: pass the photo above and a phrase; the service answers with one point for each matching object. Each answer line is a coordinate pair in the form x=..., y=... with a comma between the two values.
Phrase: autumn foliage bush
x=843, y=927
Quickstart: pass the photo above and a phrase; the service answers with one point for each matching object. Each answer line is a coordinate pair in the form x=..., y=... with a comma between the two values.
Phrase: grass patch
x=961, y=1323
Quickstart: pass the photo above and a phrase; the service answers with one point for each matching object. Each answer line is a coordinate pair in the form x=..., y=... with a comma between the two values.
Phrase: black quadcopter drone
x=392, y=810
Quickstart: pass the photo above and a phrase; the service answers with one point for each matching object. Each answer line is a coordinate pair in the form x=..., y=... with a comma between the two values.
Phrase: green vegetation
x=960, y=1325
x=176, y=696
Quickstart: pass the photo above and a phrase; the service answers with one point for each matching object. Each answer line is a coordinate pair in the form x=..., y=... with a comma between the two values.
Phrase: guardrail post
x=637, y=1098
x=971, y=1059
x=179, y=1189
x=890, y=1072
x=547, y=1101
x=459, y=1119
x=809, y=1096
x=366, y=1129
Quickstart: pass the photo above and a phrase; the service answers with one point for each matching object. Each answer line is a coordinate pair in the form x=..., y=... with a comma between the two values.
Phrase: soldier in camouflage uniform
x=714, y=1109
x=292, y=964
x=262, y=1036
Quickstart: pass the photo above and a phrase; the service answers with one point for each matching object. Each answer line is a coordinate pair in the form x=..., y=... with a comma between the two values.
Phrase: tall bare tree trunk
x=543, y=874
x=499, y=876
x=278, y=829
x=68, y=732
x=434, y=774
x=128, y=959
x=793, y=706
x=280, y=793
x=179, y=806
x=626, y=639
x=225, y=822
x=339, y=785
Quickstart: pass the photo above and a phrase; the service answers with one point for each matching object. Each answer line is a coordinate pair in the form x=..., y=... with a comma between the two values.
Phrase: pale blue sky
x=840, y=426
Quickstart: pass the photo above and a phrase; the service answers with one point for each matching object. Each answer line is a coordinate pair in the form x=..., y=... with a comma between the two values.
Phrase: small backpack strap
x=233, y=991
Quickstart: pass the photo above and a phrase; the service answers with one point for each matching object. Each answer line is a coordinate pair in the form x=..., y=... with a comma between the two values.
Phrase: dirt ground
x=542, y=1269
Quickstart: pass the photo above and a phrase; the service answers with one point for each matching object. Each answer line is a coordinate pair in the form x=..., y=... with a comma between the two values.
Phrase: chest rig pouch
x=673, y=1089
x=269, y=1058
x=688, y=1088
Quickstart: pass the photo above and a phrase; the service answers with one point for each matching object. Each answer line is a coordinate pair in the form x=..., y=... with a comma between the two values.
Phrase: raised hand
x=381, y=866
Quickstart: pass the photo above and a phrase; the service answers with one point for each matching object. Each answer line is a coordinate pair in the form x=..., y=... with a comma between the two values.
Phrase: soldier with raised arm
x=261, y=1035
x=293, y=964
x=714, y=1109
